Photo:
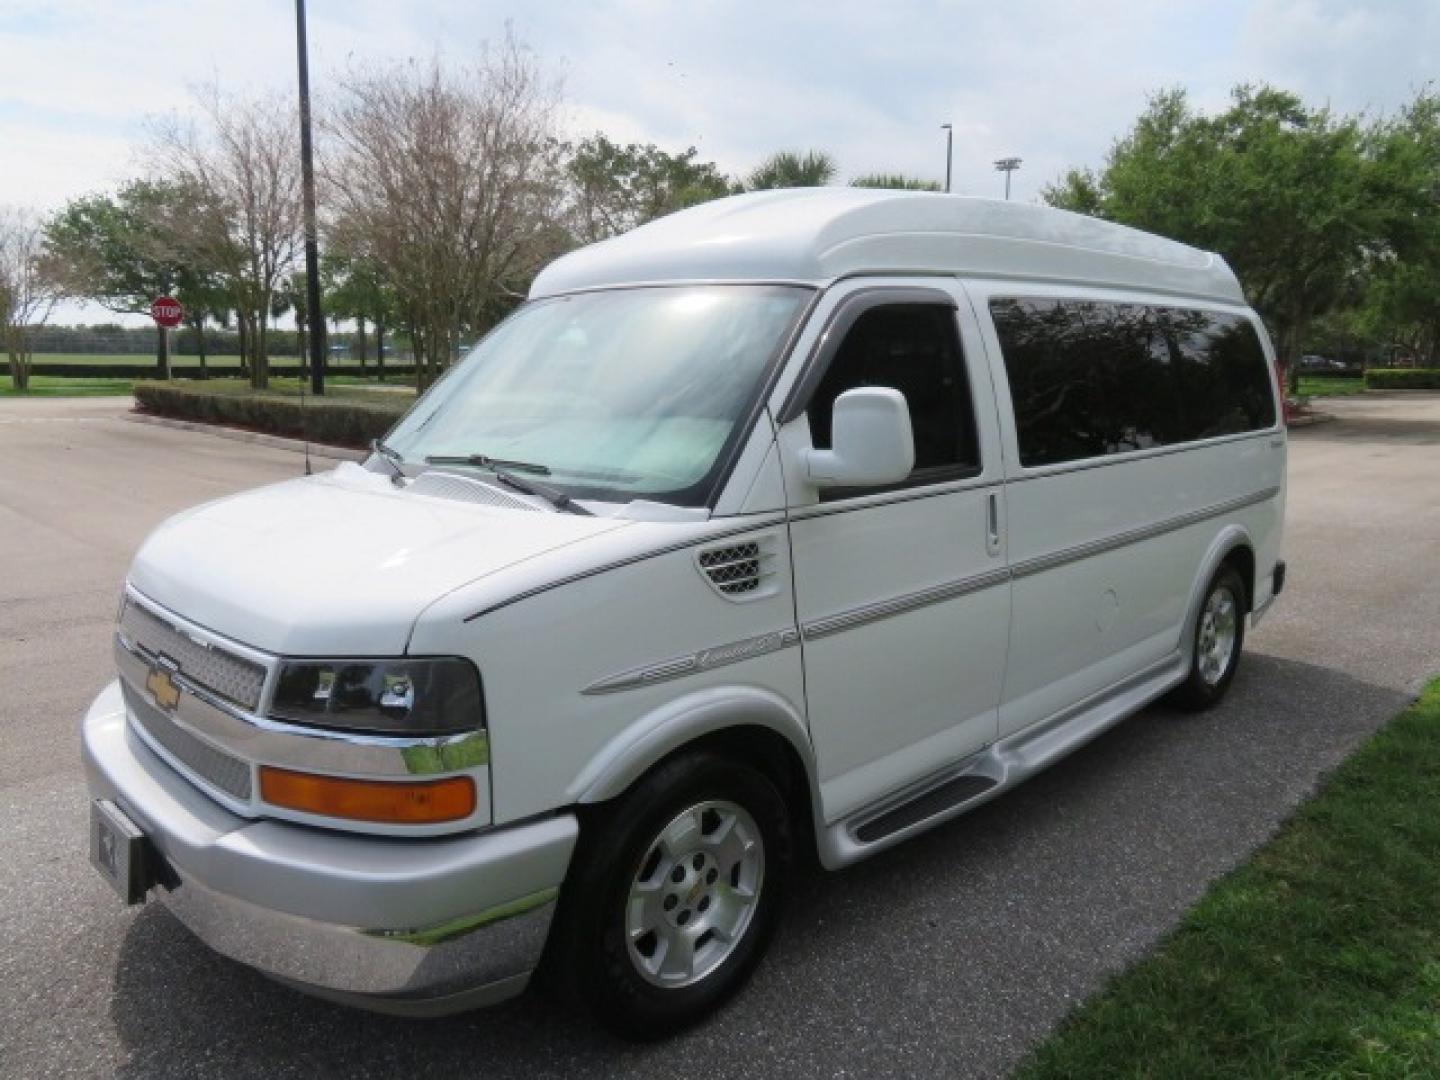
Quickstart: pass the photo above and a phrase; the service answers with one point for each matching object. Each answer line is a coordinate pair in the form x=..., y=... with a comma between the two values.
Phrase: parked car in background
x=797, y=520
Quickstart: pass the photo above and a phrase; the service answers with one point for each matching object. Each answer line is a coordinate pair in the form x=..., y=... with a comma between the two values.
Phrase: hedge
x=1402, y=379
x=121, y=370
x=340, y=421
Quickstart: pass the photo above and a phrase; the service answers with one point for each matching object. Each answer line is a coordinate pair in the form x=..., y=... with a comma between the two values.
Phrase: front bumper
x=420, y=926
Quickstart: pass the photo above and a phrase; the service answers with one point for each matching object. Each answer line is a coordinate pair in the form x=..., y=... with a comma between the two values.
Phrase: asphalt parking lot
x=947, y=956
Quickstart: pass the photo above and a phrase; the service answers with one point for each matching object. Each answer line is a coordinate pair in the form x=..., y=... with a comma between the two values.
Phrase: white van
x=799, y=521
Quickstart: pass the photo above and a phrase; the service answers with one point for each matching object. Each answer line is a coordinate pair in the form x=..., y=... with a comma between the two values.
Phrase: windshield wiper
x=391, y=458
x=485, y=461
x=554, y=496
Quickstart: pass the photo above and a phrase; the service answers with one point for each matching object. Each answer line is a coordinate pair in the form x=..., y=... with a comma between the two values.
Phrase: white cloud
x=1355, y=54
x=1053, y=81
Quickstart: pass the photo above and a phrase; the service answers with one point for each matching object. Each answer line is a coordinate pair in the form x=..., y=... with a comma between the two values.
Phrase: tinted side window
x=1223, y=374
x=914, y=348
x=1089, y=379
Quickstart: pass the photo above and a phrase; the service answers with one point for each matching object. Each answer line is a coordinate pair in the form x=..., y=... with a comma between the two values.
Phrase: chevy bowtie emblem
x=162, y=688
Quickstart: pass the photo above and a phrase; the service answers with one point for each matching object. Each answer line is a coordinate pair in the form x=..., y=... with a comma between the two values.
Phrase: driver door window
x=913, y=348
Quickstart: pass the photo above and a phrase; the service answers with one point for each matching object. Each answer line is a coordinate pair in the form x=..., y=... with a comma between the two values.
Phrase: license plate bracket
x=120, y=852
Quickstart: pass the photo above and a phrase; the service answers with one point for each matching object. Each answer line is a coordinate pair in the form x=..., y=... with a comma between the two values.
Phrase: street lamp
x=307, y=180
x=949, y=151
x=1007, y=165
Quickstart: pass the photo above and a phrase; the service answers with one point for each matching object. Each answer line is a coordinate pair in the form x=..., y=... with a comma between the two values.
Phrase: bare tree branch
x=28, y=291
x=242, y=217
x=451, y=181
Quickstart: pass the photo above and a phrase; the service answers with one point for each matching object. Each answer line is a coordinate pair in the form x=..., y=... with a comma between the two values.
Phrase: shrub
x=344, y=421
x=1402, y=379
x=226, y=369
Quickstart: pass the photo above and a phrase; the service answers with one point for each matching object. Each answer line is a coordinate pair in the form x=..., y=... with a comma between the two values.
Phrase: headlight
x=389, y=697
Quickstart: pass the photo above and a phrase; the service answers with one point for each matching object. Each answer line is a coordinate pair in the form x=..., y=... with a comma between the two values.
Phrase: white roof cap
x=817, y=235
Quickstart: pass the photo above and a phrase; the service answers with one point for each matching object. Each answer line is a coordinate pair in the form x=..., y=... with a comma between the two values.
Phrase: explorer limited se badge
x=162, y=687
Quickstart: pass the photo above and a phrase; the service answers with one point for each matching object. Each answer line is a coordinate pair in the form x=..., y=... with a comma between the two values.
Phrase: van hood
x=337, y=564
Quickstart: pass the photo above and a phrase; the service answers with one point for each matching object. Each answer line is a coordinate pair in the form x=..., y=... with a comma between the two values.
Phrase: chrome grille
x=212, y=765
x=216, y=669
x=736, y=570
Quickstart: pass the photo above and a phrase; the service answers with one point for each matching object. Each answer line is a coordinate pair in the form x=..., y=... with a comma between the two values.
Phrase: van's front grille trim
x=210, y=764
x=211, y=666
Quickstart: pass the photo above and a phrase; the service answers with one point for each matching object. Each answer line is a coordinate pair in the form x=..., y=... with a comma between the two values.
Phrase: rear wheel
x=1219, y=637
x=674, y=895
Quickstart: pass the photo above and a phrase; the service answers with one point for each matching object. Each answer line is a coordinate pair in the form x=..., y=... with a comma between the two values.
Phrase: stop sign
x=166, y=311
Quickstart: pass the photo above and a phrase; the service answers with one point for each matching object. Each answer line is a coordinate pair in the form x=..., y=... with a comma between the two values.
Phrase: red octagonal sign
x=166, y=311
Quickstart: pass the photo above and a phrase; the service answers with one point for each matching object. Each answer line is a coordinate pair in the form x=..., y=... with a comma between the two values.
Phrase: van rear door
x=1137, y=430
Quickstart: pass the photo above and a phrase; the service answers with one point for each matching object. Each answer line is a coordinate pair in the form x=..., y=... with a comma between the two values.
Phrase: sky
x=1053, y=83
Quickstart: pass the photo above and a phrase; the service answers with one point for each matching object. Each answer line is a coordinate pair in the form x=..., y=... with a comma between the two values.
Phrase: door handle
x=992, y=523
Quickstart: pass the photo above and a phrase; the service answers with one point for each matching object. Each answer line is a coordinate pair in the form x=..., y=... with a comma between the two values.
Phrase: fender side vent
x=739, y=571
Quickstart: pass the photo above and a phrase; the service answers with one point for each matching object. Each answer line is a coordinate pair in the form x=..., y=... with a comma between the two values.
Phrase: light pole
x=949, y=151
x=1007, y=165
x=307, y=180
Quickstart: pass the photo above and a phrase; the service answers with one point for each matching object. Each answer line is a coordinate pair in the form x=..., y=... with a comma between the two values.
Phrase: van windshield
x=613, y=395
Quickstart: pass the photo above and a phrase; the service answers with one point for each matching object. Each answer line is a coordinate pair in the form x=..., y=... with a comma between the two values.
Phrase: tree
x=116, y=250
x=451, y=181
x=788, y=169
x=356, y=289
x=204, y=299
x=1292, y=197
x=894, y=181
x=1402, y=297
x=617, y=188
x=28, y=289
x=290, y=298
x=240, y=176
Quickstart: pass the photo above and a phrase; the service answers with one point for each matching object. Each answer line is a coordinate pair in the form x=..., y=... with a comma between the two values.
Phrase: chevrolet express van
x=798, y=522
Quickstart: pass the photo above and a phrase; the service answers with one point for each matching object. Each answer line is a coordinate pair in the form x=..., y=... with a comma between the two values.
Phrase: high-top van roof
x=818, y=235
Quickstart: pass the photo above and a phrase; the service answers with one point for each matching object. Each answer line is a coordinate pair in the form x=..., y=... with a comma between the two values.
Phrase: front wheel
x=674, y=895
x=1219, y=637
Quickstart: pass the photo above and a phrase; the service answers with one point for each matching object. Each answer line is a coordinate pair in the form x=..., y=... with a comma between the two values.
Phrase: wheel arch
x=1232, y=544
x=745, y=722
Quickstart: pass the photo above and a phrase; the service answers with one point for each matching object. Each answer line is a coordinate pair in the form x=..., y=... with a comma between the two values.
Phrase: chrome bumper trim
x=423, y=925
x=388, y=971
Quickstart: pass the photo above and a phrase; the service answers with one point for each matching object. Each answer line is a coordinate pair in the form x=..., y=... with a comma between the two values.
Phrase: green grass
x=48, y=386
x=1341, y=387
x=1319, y=957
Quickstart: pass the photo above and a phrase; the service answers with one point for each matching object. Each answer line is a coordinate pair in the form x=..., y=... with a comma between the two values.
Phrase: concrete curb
x=257, y=438
x=1310, y=420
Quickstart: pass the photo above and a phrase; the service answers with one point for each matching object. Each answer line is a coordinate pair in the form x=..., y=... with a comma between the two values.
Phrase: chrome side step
x=966, y=784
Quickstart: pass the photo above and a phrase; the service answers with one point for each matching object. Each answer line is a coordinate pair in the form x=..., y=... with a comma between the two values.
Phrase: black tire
x=1202, y=689
x=590, y=955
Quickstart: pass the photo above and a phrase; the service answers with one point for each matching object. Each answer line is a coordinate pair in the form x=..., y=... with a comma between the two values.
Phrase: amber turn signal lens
x=427, y=802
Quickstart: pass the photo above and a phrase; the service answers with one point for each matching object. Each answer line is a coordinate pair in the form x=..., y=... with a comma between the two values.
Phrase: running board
x=978, y=779
x=948, y=795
